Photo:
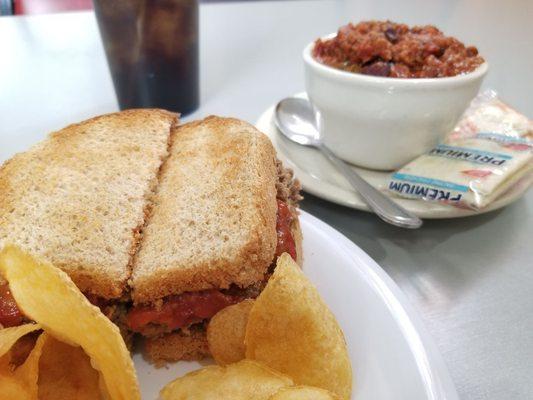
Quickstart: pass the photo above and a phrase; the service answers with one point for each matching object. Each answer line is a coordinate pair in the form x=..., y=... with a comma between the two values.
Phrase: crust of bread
x=190, y=345
x=79, y=198
x=214, y=214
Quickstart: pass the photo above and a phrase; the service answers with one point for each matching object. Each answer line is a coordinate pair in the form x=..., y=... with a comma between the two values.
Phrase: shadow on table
x=439, y=261
x=367, y=230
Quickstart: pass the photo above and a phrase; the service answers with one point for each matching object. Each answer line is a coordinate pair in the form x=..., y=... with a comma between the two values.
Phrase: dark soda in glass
x=152, y=52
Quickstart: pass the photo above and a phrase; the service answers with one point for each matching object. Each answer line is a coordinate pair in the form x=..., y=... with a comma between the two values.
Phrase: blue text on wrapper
x=471, y=155
x=426, y=188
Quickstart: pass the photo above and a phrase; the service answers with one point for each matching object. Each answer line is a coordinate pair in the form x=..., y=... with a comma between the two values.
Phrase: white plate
x=392, y=355
x=321, y=179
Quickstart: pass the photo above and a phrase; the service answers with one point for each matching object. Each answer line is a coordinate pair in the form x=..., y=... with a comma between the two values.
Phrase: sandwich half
x=80, y=198
x=159, y=225
x=223, y=211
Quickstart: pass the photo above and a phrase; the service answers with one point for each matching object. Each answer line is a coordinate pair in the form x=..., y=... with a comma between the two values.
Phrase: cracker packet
x=489, y=151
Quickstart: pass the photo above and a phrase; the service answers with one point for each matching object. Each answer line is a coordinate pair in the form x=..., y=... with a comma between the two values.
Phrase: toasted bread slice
x=79, y=198
x=182, y=345
x=213, y=219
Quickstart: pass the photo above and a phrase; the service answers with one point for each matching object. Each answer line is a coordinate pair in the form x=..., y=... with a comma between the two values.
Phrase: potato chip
x=5, y=364
x=28, y=373
x=8, y=339
x=47, y=295
x=9, y=336
x=21, y=383
x=11, y=388
x=66, y=373
x=303, y=393
x=291, y=329
x=226, y=330
x=245, y=380
x=22, y=349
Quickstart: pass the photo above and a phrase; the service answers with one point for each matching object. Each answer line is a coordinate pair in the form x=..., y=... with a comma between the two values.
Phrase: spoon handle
x=382, y=205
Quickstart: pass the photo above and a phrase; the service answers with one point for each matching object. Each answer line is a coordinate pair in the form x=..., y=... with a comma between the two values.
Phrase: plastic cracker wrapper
x=488, y=115
x=489, y=151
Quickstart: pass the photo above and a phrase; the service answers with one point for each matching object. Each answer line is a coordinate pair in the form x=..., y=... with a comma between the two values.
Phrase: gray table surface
x=471, y=279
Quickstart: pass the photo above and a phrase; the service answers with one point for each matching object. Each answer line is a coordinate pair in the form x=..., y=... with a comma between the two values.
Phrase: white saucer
x=321, y=179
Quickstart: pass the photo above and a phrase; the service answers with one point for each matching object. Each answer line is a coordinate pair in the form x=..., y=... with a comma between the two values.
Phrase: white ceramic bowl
x=383, y=123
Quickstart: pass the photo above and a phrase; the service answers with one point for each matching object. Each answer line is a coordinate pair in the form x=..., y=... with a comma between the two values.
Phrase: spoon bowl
x=296, y=120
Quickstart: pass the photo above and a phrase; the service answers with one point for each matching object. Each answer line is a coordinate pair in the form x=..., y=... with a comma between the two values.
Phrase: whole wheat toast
x=213, y=220
x=79, y=197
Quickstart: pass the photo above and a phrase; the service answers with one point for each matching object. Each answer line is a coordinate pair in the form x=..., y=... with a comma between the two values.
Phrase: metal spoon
x=295, y=118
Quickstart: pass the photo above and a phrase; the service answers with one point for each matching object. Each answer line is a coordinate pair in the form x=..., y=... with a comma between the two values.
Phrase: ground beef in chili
x=286, y=242
x=384, y=48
